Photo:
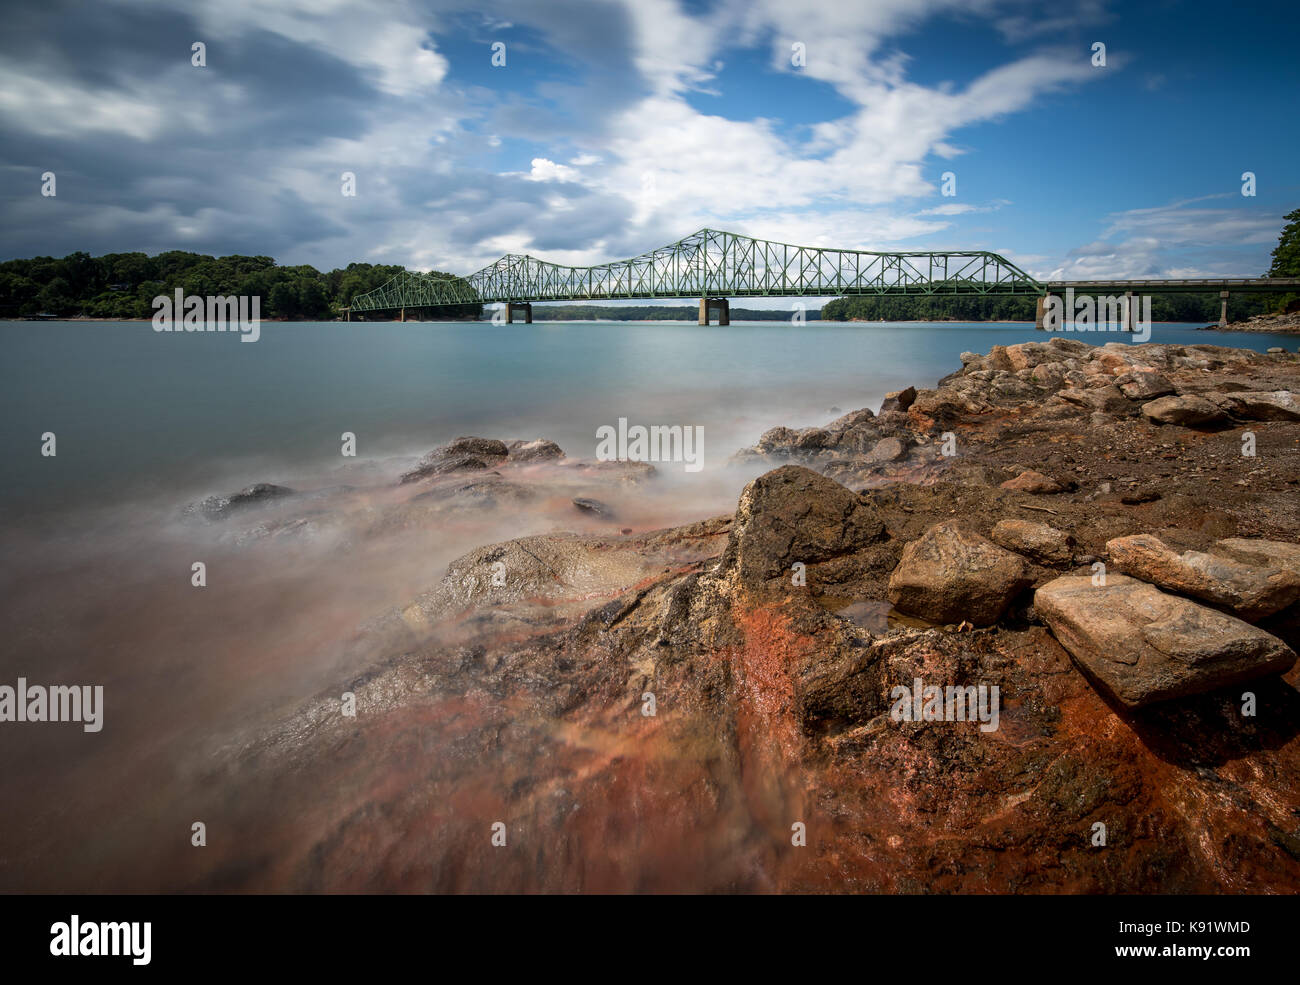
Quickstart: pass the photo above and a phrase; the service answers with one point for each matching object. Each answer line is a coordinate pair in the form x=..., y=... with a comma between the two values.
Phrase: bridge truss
x=713, y=263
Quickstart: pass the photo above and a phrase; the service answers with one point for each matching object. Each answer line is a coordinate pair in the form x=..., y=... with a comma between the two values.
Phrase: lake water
x=137, y=411
x=96, y=575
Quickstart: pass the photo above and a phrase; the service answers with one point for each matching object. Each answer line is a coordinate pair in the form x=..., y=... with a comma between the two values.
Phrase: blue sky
x=616, y=126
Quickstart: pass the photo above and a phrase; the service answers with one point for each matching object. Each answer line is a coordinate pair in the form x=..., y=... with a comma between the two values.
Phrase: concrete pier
x=1041, y=311
x=525, y=306
x=1223, y=309
x=723, y=308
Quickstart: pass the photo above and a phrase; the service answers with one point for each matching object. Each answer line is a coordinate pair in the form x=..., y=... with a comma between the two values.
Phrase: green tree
x=1286, y=259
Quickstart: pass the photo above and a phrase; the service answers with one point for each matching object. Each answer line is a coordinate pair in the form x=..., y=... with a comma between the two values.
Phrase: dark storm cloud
x=245, y=155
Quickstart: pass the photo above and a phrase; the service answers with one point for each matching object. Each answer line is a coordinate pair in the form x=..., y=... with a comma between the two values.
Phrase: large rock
x=794, y=514
x=1142, y=645
x=258, y=494
x=443, y=466
x=1263, y=405
x=898, y=400
x=950, y=575
x=1037, y=540
x=1144, y=385
x=1033, y=482
x=537, y=450
x=1271, y=553
x=1253, y=591
x=1189, y=411
x=481, y=447
x=887, y=450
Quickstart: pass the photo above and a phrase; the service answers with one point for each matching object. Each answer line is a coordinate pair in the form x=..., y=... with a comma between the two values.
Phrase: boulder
x=794, y=514
x=1144, y=385
x=1037, y=540
x=1252, y=550
x=898, y=399
x=1187, y=411
x=1033, y=482
x=1263, y=405
x=949, y=575
x=1252, y=591
x=443, y=466
x=887, y=450
x=1141, y=645
x=537, y=450
x=594, y=507
x=777, y=439
x=482, y=447
x=258, y=494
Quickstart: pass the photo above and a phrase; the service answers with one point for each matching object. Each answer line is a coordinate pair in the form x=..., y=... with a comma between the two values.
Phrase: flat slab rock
x=1252, y=590
x=1142, y=645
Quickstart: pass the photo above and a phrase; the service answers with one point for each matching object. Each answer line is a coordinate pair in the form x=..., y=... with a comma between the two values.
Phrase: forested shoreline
x=123, y=285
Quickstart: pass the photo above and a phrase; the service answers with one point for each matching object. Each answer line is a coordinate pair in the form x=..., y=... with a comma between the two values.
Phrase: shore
x=1286, y=324
x=719, y=705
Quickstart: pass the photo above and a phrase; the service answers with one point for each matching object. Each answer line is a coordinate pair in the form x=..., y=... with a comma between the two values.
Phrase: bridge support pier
x=1130, y=312
x=525, y=306
x=1041, y=311
x=723, y=307
x=1223, y=309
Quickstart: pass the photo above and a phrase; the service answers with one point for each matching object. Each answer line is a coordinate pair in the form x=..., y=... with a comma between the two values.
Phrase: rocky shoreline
x=1286, y=323
x=1108, y=536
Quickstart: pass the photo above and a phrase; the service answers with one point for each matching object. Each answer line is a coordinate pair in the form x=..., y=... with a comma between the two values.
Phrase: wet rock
x=813, y=439
x=1034, y=482
x=1036, y=540
x=594, y=507
x=537, y=450
x=777, y=439
x=1187, y=411
x=898, y=400
x=443, y=466
x=258, y=494
x=481, y=447
x=1252, y=591
x=1142, y=645
x=950, y=575
x=794, y=514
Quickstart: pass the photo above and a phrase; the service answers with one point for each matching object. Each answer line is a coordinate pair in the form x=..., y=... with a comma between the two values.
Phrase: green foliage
x=1192, y=308
x=1286, y=258
x=123, y=285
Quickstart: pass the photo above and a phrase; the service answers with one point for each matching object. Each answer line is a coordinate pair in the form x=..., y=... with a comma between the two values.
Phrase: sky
x=606, y=128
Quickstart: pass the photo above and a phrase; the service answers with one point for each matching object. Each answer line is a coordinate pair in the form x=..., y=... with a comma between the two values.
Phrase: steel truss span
x=713, y=263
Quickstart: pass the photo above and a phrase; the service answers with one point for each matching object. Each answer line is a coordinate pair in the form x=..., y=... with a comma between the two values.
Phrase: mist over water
x=97, y=553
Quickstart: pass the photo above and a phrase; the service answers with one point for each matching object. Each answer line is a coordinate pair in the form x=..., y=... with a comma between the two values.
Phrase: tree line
x=1202, y=308
x=123, y=285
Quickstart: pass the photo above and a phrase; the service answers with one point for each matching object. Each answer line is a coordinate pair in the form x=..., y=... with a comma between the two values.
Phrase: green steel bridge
x=714, y=265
